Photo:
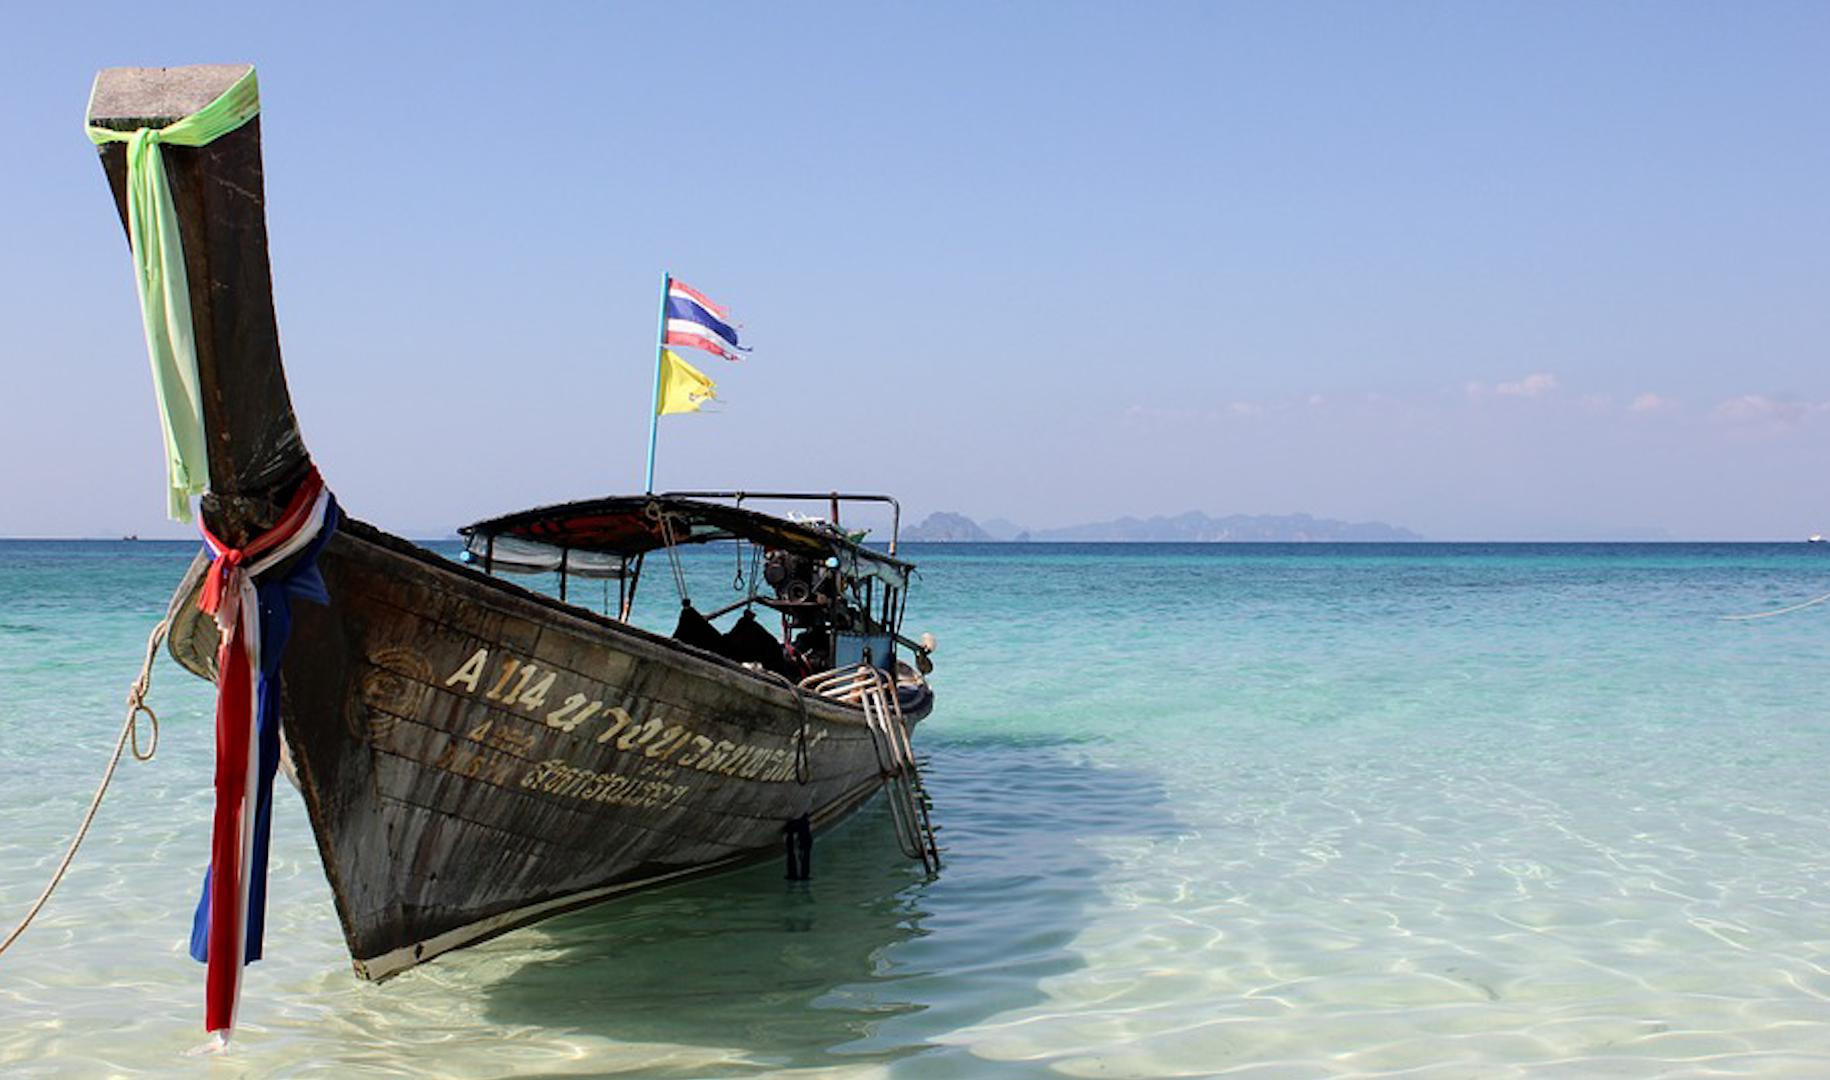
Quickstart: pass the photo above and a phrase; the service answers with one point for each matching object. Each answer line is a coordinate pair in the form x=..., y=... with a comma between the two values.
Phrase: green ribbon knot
x=165, y=295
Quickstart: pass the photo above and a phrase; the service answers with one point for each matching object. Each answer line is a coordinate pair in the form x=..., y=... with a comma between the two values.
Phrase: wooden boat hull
x=475, y=756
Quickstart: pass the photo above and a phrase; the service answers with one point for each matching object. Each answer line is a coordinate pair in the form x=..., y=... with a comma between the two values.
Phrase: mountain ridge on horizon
x=1192, y=526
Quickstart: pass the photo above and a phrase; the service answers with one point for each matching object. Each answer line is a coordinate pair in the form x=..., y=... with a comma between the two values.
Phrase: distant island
x=1192, y=527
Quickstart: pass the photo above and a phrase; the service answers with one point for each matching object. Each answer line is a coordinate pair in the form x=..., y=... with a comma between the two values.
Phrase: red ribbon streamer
x=221, y=597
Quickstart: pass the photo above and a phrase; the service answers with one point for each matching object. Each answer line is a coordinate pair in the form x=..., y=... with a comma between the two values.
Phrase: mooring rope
x=1781, y=611
x=803, y=765
x=673, y=556
x=130, y=736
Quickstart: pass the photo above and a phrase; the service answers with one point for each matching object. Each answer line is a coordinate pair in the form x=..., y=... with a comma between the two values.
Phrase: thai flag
x=694, y=321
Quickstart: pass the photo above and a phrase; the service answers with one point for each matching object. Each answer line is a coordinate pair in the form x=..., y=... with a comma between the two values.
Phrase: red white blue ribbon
x=253, y=610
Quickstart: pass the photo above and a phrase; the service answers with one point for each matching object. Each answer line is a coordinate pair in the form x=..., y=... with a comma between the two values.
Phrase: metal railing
x=833, y=498
x=910, y=807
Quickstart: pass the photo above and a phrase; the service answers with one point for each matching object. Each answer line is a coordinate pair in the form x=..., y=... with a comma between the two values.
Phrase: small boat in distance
x=475, y=755
x=1815, y=538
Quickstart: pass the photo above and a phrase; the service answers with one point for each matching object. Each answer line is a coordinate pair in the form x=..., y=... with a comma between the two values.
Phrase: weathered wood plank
x=424, y=746
x=128, y=98
x=256, y=453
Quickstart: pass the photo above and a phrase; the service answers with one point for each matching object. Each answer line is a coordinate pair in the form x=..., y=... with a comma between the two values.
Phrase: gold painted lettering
x=526, y=674
x=621, y=720
x=700, y=745
x=508, y=670
x=590, y=711
x=535, y=696
x=672, y=746
x=639, y=735
x=557, y=717
x=722, y=754
x=471, y=671
x=668, y=736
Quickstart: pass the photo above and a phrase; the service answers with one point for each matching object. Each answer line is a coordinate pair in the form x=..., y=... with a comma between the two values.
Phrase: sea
x=1255, y=810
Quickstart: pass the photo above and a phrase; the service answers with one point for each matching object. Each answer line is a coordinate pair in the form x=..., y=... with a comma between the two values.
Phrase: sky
x=1485, y=271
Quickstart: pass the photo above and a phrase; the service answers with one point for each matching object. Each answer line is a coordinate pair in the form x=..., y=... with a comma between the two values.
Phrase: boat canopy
x=597, y=537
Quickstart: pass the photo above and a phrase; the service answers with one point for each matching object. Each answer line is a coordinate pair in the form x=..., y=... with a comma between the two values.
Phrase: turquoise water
x=1421, y=811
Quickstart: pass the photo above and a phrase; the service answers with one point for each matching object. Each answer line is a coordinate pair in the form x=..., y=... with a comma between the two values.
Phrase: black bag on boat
x=696, y=630
x=748, y=643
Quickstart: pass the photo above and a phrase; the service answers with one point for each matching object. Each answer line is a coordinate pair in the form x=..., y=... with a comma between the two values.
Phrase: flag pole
x=654, y=403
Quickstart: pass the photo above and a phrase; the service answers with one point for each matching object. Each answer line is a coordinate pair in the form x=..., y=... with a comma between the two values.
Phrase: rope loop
x=133, y=726
x=136, y=704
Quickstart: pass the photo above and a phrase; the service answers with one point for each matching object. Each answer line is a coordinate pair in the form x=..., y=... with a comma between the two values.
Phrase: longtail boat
x=475, y=755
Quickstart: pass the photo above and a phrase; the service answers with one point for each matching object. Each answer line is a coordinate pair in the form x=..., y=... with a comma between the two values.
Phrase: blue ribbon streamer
x=276, y=594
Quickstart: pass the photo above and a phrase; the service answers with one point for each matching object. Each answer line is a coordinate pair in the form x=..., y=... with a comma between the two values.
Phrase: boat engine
x=798, y=579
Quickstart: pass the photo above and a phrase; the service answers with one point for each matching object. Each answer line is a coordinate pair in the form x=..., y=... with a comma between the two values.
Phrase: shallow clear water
x=1428, y=810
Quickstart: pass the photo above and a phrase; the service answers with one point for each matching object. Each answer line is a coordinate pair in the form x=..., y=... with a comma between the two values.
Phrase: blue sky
x=1485, y=271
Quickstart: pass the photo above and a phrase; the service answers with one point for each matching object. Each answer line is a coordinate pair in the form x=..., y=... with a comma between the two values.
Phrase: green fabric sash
x=165, y=295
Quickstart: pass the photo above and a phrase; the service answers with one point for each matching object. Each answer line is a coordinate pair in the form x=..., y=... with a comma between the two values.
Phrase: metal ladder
x=910, y=805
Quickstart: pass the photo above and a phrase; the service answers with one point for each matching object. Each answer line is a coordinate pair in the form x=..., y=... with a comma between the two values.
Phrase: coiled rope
x=129, y=738
x=1781, y=611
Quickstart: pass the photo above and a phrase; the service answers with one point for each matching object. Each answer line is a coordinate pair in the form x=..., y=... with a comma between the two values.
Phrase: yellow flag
x=683, y=387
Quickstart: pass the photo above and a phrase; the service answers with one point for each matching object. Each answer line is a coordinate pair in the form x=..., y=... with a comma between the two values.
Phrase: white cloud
x=1760, y=409
x=1650, y=403
x=1536, y=384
